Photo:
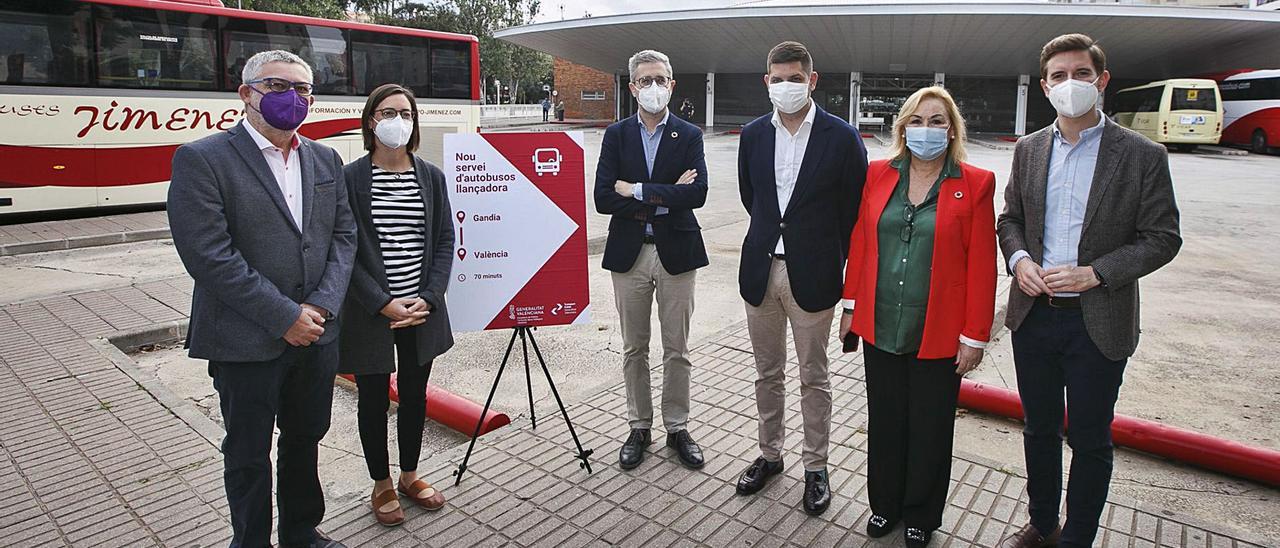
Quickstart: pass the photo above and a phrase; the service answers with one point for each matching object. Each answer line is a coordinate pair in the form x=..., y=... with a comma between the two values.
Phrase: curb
x=113, y=348
x=77, y=242
x=1210, y=150
x=992, y=145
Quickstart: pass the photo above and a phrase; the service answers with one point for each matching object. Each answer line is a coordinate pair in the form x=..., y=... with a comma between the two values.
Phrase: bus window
x=144, y=48
x=1194, y=99
x=450, y=69
x=44, y=43
x=324, y=48
x=392, y=58
x=1149, y=99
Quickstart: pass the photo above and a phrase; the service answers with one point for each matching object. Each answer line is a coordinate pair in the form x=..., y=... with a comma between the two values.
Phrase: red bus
x=95, y=95
x=1251, y=109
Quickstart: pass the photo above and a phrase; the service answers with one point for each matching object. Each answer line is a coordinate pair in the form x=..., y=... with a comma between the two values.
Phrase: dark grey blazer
x=367, y=341
x=1130, y=228
x=252, y=266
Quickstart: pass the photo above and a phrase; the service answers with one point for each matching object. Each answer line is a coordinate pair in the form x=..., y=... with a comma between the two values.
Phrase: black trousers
x=295, y=393
x=911, y=408
x=411, y=382
x=1052, y=352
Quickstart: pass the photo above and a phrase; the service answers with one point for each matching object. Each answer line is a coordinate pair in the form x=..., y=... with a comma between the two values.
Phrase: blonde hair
x=955, y=147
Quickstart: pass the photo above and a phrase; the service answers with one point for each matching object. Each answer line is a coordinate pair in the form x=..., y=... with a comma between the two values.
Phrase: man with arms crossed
x=651, y=176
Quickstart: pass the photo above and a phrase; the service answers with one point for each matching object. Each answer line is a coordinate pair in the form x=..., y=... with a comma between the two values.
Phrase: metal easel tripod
x=526, y=339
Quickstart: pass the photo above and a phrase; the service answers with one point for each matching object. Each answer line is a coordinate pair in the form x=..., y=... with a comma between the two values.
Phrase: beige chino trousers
x=767, y=325
x=634, y=292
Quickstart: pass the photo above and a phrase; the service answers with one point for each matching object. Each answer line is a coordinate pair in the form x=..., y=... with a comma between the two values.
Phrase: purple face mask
x=284, y=110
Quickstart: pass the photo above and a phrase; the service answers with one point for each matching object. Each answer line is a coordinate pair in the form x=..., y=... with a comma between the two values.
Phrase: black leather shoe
x=632, y=452
x=1030, y=537
x=756, y=476
x=690, y=453
x=323, y=541
x=916, y=538
x=879, y=526
x=817, y=492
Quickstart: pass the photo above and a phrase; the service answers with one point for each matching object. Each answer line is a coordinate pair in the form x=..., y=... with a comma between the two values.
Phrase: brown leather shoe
x=1030, y=537
x=422, y=494
x=389, y=519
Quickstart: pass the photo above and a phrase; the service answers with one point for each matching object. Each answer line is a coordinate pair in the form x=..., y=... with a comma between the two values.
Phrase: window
x=391, y=58
x=1257, y=89
x=44, y=43
x=324, y=48
x=1194, y=99
x=144, y=48
x=592, y=95
x=450, y=69
x=1148, y=99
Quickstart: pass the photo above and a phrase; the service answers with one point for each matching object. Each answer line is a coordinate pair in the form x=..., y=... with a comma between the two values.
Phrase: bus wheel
x=1258, y=145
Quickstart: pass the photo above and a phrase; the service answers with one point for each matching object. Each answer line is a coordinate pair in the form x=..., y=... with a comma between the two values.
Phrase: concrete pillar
x=619, y=88
x=1020, y=115
x=711, y=99
x=940, y=79
x=855, y=97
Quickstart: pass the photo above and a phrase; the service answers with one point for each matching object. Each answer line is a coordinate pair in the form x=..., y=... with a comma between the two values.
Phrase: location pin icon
x=462, y=216
x=462, y=254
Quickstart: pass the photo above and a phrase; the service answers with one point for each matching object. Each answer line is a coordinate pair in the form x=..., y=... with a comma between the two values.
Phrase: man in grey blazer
x=1089, y=209
x=260, y=218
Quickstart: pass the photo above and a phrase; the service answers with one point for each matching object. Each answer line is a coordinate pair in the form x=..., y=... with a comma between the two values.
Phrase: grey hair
x=253, y=67
x=648, y=56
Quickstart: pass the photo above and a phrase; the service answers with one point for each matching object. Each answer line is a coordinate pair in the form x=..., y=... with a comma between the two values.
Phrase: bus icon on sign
x=546, y=160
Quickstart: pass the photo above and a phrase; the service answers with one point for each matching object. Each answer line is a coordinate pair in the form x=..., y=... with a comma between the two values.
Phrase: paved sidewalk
x=89, y=456
x=16, y=239
x=524, y=487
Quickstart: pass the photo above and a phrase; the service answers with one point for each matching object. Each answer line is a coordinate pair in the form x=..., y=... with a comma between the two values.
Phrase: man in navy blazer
x=800, y=173
x=260, y=218
x=651, y=176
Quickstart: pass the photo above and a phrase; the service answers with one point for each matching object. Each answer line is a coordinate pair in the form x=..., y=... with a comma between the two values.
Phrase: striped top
x=398, y=217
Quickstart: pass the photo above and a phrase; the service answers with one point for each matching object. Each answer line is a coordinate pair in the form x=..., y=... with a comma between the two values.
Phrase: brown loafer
x=430, y=499
x=1030, y=537
x=389, y=519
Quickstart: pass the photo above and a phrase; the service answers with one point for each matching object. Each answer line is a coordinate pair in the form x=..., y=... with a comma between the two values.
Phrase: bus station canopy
x=974, y=38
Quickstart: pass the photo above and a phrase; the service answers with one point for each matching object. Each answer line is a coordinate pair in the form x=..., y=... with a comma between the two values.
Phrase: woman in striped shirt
x=394, y=318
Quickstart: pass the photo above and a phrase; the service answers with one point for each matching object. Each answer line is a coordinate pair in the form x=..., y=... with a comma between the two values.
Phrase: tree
x=328, y=9
x=514, y=65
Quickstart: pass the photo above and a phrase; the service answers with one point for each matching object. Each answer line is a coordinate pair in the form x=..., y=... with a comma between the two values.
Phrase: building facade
x=588, y=94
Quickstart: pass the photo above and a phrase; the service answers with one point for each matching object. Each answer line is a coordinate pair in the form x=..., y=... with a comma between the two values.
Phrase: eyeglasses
x=908, y=215
x=389, y=113
x=277, y=85
x=646, y=81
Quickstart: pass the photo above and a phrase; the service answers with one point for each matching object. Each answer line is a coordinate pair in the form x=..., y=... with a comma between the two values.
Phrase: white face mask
x=395, y=132
x=789, y=97
x=654, y=98
x=1074, y=98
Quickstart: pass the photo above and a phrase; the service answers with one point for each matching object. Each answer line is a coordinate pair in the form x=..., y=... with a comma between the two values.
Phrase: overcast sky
x=574, y=9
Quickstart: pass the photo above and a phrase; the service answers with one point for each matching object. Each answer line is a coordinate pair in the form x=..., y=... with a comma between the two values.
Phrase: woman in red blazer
x=920, y=290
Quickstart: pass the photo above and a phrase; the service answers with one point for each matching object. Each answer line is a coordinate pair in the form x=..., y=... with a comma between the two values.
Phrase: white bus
x=1182, y=112
x=95, y=95
x=1251, y=109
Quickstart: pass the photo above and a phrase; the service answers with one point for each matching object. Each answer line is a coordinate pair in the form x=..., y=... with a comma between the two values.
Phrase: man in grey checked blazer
x=1089, y=209
x=260, y=218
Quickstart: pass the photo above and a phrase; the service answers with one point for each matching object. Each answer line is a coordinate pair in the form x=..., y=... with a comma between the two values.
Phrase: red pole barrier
x=1217, y=454
x=452, y=410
